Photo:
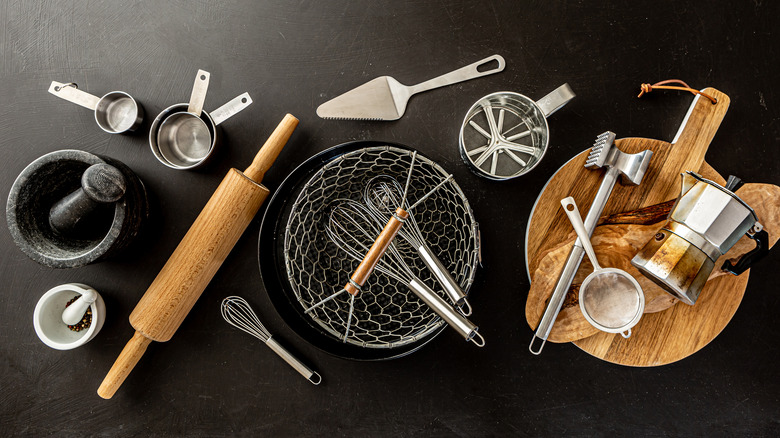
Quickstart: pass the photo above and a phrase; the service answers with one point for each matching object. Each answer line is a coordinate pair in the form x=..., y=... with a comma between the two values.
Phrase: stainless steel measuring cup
x=505, y=135
x=116, y=112
x=610, y=299
x=183, y=147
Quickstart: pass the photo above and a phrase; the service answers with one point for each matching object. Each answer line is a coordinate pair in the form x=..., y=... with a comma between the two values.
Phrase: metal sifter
x=610, y=298
x=505, y=134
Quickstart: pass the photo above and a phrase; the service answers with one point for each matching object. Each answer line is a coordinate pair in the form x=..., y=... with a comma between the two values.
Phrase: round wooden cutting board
x=670, y=333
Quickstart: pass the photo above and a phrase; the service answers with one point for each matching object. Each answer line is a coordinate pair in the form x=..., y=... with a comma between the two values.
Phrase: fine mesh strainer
x=388, y=319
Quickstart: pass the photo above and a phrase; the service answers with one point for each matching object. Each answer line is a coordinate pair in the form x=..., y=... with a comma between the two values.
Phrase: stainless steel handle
x=573, y=262
x=199, y=89
x=71, y=93
x=442, y=274
x=231, y=108
x=570, y=207
x=463, y=326
x=460, y=75
x=306, y=372
x=555, y=100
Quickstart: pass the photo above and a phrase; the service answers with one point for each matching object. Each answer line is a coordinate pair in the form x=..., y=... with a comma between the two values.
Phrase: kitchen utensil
x=300, y=265
x=610, y=298
x=705, y=222
x=48, y=180
x=369, y=261
x=383, y=240
x=101, y=185
x=352, y=229
x=548, y=228
x=201, y=252
x=632, y=168
x=384, y=98
x=382, y=194
x=75, y=311
x=116, y=112
x=240, y=315
x=181, y=151
x=183, y=137
x=48, y=316
x=505, y=134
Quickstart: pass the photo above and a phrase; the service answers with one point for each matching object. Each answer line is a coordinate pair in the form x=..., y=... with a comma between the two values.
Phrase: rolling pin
x=201, y=252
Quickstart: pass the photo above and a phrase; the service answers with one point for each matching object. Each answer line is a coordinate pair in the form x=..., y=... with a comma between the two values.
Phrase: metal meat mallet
x=382, y=193
x=380, y=245
x=632, y=167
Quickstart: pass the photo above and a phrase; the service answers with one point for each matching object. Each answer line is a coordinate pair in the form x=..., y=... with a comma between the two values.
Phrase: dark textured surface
x=211, y=379
x=43, y=211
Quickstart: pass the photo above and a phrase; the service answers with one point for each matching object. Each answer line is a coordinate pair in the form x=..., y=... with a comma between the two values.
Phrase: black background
x=211, y=379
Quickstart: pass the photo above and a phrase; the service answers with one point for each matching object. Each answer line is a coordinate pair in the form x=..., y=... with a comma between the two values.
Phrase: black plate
x=270, y=249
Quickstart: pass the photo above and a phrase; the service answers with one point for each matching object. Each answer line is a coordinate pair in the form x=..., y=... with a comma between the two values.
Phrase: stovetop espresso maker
x=705, y=222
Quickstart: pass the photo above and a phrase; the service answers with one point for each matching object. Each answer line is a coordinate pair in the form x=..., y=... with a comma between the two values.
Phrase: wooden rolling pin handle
x=377, y=250
x=270, y=150
x=127, y=359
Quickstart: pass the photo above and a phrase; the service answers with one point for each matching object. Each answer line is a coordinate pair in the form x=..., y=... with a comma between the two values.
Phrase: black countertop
x=211, y=379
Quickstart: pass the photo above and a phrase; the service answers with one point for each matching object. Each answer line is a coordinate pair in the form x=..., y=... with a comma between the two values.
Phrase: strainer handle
x=570, y=207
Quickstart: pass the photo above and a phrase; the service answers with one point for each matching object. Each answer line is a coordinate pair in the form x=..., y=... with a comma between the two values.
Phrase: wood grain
x=197, y=258
x=377, y=250
x=616, y=244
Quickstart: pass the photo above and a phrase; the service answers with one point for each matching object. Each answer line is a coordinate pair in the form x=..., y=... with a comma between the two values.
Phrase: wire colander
x=386, y=314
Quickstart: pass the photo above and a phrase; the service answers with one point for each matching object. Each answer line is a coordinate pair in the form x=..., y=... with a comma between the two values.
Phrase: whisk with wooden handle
x=240, y=315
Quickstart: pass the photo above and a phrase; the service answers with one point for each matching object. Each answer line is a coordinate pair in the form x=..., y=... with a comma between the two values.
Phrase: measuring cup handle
x=460, y=75
x=199, y=90
x=626, y=334
x=231, y=108
x=71, y=93
x=555, y=100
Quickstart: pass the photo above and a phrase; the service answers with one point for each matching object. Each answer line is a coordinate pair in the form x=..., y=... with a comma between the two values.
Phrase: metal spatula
x=384, y=98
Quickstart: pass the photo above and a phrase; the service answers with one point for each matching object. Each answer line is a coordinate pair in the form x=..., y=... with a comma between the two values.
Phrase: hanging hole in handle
x=315, y=378
x=570, y=207
x=489, y=66
x=69, y=84
x=477, y=339
x=243, y=100
x=465, y=308
x=626, y=334
x=531, y=346
x=202, y=77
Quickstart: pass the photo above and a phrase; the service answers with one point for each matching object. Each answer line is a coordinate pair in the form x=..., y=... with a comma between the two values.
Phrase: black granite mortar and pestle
x=71, y=208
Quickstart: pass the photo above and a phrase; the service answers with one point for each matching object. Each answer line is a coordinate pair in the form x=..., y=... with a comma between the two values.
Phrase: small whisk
x=240, y=315
x=382, y=194
x=352, y=228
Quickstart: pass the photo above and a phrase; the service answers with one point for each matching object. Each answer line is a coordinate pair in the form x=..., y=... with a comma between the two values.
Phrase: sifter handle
x=125, y=363
x=270, y=150
x=376, y=252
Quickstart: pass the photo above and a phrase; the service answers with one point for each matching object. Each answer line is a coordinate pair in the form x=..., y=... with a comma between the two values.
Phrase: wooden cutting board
x=617, y=238
x=660, y=337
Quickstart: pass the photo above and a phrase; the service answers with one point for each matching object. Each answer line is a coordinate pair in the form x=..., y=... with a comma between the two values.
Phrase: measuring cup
x=610, y=298
x=116, y=112
x=505, y=134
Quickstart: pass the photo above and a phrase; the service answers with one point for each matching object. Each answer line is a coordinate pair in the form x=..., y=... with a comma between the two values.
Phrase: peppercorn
x=86, y=320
